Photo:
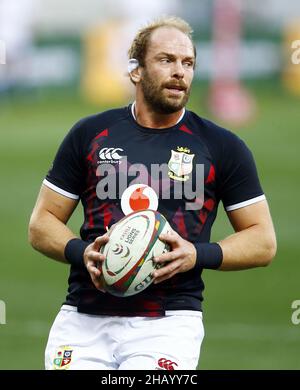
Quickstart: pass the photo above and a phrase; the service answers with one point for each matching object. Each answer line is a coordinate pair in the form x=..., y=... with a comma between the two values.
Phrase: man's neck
x=148, y=118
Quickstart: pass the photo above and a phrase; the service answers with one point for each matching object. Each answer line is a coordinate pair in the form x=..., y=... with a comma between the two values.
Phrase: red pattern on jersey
x=92, y=180
x=211, y=175
x=103, y=133
x=209, y=204
x=95, y=145
x=90, y=157
x=178, y=219
x=185, y=129
x=107, y=215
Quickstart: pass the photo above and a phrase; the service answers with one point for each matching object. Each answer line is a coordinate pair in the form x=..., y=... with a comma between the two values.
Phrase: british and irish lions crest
x=63, y=358
x=180, y=164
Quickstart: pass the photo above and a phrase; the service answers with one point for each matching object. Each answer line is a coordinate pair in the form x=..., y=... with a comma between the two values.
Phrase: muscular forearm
x=48, y=235
x=249, y=248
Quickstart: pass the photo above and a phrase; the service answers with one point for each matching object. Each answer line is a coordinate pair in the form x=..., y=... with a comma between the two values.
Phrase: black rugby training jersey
x=109, y=161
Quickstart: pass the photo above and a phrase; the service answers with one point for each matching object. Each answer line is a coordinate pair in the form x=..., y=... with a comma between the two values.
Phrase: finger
x=95, y=265
x=99, y=241
x=168, y=256
x=93, y=270
x=95, y=273
x=166, y=275
x=98, y=283
x=94, y=262
x=168, y=269
x=95, y=256
x=170, y=238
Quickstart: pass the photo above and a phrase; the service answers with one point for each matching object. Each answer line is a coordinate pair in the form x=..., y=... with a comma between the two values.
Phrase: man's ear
x=136, y=75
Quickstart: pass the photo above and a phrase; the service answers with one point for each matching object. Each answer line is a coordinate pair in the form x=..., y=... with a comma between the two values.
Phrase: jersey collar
x=134, y=117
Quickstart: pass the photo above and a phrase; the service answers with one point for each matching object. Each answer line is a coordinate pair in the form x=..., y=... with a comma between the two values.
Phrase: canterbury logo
x=110, y=153
x=167, y=364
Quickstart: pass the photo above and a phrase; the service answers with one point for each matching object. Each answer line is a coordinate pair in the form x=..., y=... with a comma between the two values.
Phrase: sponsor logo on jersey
x=110, y=155
x=138, y=197
x=166, y=364
x=180, y=164
x=63, y=358
x=159, y=181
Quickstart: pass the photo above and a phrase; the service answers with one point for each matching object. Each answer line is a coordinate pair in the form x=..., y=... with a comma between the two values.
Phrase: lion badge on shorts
x=63, y=358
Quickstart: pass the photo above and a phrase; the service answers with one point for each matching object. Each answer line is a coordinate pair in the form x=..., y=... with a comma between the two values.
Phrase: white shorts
x=89, y=342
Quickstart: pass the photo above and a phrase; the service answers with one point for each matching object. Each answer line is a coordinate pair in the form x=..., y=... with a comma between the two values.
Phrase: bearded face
x=164, y=97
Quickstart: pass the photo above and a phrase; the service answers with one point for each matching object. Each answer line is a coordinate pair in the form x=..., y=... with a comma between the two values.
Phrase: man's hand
x=181, y=258
x=93, y=260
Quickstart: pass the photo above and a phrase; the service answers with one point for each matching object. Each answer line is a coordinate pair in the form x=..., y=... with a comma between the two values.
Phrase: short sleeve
x=66, y=174
x=240, y=185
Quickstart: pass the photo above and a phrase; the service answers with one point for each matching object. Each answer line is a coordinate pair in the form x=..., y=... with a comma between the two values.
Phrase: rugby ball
x=133, y=242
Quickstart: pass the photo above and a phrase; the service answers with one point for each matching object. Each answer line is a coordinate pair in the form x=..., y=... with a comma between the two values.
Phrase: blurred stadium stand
x=62, y=43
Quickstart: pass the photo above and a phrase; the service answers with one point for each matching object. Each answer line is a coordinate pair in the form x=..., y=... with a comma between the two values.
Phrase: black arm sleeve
x=67, y=170
x=239, y=178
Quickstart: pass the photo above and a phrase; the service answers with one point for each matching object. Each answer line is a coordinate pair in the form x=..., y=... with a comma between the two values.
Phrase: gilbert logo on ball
x=138, y=197
x=133, y=243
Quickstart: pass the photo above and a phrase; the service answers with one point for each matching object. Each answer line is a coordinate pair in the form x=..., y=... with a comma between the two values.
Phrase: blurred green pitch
x=247, y=314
